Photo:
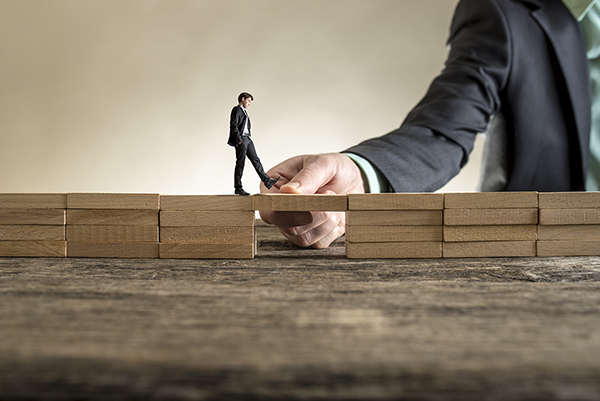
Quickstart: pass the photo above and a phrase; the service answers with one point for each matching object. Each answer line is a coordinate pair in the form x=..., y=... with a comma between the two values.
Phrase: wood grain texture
x=394, y=218
x=205, y=202
x=490, y=233
x=207, y=219
x=112, y=201
x=396, y=201
x=112, y=217
x=31, y=233
x=492, y=249
x=491, y=200
x=394, y=233
x=33, y=201
x=207, y=251
x=488, y=217
x=576, y=232
x=568, y=248
x=76, y=233
x=141, y=250
x=569, y=216
x=38, y=249
x=50, y=217
x=300, y=203
x=394, y=250
x=569, y=200
x=207, y=235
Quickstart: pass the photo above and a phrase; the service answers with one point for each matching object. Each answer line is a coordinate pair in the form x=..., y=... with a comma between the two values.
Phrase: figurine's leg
x=240, y=161
x=251, y=153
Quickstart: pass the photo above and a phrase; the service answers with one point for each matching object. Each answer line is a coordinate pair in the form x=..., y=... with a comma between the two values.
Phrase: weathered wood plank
x=138, y=250
x=490, y=233
x=569, y=200
x=394, y=233
x=31, y=233
x=568, y=248
x=41, y=249
x=207, y=235
x=576, y=232
x=112, y=201
x=112, y=217
x=569, y=216
x=488, y=217
x=33, y=201
x=205, y=202
x=394, y=218
x=490, y=249
x=300, y=203
x=207, y=218
x=76, y=233
x=491, y=200
x=207, y=251
x=50, y=217
x=391, y=250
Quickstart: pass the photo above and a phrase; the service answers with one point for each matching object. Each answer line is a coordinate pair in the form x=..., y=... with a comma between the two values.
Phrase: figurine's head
x=244, y=99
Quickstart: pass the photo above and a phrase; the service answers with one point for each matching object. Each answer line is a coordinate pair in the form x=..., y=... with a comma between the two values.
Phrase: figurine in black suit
x=239, y=136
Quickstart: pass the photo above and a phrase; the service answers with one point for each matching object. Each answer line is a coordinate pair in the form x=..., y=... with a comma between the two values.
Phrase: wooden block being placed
x=493, y=249
x=45, y=217
x=113, y=201
x=561, y=233
x=32, y=233
x=394, y=233
x=141, y=250
x=489, y=233
x=399, y=201
x=112, y=234
x=38, y=249
x=568, y=248
x=207, y=251
x=394, y=250
x=207, y=219
x=113, y=217
x=207, y=235
x=301, y=203
x=569, y=200
x=33, y=201
x=569, y=216
x=490, y=217
x=205, y=202
x=394, y=218
x=491, y=200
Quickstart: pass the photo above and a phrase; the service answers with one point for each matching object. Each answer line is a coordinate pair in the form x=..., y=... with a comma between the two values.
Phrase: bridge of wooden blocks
x=424, y=225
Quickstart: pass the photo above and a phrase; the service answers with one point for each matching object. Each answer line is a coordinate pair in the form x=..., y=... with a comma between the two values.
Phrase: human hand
x=332, y=173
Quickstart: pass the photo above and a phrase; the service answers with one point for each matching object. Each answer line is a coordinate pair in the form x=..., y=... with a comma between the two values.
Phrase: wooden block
x=394, y=218
x=32, y=233
x=207, y=251
x=569, y=200
x=489, y=233
x=301, y=203
x=33, y=201
x=399, y=201
x=205, y=202
x=493, y=249
x=394, y=250
x=39, y=249
x=569, y=216
x=49, y=217
x=207, y=235
x=113, y=201
x=112, y=233
x=113, y=217
x=141, y=250
x=568, y=248
x=491, y=200
x=394, y=233
x=207, y=219
x=489, y=217
x=560, y=233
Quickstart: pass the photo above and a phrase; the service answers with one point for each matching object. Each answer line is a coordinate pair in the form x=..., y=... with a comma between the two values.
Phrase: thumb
x=316, y=172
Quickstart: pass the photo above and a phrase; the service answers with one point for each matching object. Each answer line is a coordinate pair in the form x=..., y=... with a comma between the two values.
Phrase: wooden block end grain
x=396, y=201
x=205, y=202
x=112, y=201
x=207, y=251
x=300, y=203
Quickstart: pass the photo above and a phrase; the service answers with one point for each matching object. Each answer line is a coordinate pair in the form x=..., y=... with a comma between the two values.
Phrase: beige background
x=135, y=95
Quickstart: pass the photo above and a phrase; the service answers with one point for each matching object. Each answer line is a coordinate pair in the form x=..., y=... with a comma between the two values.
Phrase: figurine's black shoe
x=241, y=192
x=270, y=182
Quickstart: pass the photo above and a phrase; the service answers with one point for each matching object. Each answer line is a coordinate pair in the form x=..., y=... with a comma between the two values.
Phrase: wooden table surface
x=300, y=324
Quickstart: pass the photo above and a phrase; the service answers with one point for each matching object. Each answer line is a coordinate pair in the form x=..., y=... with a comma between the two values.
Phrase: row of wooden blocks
x=377, y=225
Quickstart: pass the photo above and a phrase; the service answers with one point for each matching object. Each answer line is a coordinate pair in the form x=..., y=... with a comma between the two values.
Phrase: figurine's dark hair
x=244, y=95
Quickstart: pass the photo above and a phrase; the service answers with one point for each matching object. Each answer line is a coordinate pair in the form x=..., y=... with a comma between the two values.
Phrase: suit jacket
x=522, y=59
x=236, y=125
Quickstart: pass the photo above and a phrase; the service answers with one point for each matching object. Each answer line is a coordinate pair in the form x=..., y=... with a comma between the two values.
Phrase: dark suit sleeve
x=235, y=133
x=436, y=138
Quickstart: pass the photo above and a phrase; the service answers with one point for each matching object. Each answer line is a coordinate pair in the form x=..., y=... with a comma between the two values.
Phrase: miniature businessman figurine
x=239, y=136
